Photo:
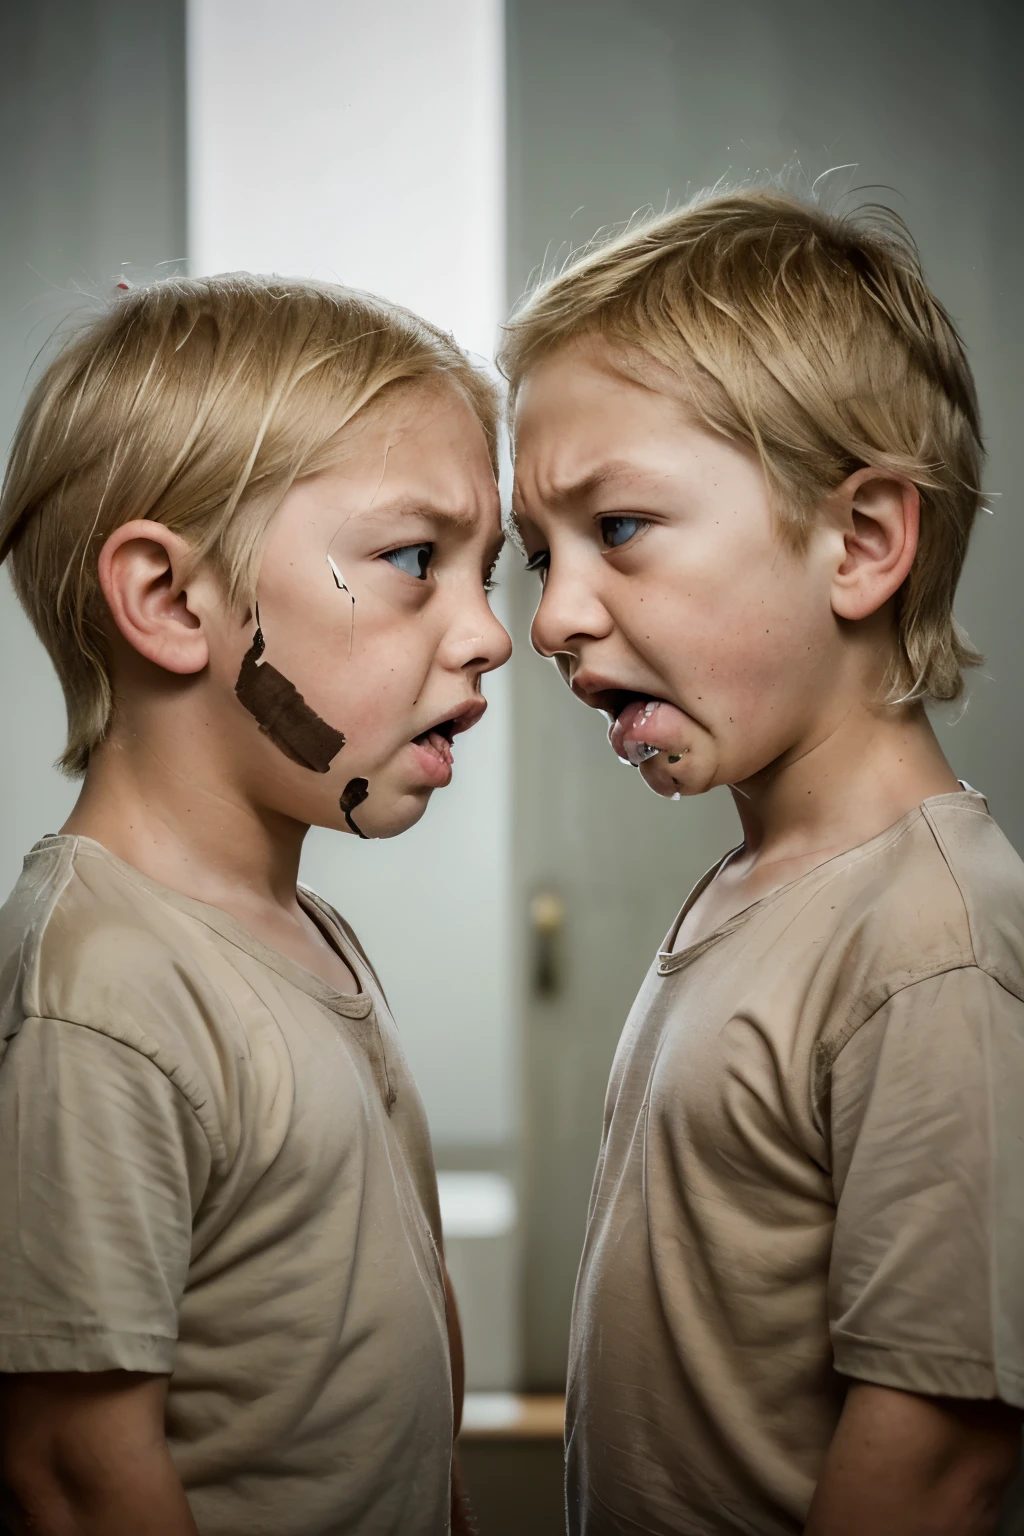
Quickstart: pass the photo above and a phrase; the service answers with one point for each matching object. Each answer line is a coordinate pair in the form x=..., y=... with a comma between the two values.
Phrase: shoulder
x=84, y=942
x=943, y=891
x=989, y=877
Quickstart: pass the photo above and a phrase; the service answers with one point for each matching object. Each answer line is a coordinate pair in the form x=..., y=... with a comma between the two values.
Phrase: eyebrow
x=604, y=474
x=410, y=506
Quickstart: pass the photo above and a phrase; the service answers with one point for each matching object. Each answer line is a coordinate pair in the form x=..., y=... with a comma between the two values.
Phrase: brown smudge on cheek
x=353, y=795
x=282, y=713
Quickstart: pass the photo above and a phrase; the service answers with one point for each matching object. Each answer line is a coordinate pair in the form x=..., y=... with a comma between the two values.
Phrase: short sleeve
x=926, y=1287
x=102, y=1164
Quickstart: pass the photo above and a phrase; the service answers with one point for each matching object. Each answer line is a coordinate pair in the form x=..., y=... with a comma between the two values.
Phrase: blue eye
x=413, y=559
x=617, y=531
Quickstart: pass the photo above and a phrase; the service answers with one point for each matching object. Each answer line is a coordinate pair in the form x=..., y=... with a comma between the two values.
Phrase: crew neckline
x=353, y=1005
x=671, y=960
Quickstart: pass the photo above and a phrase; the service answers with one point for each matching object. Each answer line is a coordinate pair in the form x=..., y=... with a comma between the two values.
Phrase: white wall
x=365, y=143
x=91, y=184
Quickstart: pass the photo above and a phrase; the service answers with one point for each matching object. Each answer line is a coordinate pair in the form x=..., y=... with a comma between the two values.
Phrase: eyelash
x=541, y=561
x=490, y=585
x=391, y=556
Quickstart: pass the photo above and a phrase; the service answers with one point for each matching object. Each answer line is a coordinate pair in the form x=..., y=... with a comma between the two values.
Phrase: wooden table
x=511, y=1453
x=513, y=1416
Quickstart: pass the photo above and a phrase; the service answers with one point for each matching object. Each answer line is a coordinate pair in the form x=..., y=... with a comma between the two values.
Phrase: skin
x=85, y=1455
x=186, y=787
x=900, y=1463
x=666, y=578
x=189, y=791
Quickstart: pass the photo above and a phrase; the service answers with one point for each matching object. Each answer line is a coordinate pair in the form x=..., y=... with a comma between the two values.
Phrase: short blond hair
x=813, y=338
x=197, y=403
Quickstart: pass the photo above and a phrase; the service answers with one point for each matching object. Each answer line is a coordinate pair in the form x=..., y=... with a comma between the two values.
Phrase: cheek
x=739, y=639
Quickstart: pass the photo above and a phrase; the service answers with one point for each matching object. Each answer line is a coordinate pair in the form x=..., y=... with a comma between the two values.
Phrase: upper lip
x=606, y=693
x=454, y=721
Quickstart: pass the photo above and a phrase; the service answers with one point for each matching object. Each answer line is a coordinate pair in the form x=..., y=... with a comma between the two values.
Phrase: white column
x=363, y=141
x=356, y=140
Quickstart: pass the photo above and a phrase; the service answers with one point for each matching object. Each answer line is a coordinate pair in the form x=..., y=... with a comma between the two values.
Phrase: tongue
x=648, y=726
x=441, y=745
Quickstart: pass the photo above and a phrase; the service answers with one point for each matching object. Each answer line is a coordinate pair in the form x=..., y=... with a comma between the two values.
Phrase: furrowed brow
x=612, y=472
x=417, y=506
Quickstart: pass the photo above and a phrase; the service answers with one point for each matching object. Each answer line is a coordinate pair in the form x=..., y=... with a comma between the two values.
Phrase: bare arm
x=903, y=1465
x=463, y=1523
x=84, y=1454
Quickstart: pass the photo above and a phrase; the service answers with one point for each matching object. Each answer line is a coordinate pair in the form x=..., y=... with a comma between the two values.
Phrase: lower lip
x=659, y=729
x=436, y=772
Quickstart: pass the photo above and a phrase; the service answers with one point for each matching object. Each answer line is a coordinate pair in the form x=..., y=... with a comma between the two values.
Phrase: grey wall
x=92, y=123
x=615, y=104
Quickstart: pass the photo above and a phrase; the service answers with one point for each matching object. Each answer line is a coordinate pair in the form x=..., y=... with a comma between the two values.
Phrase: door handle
x=547, y=918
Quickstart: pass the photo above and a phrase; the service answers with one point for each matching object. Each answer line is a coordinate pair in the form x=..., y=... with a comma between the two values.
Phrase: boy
x=747, y=460
x=253, y=521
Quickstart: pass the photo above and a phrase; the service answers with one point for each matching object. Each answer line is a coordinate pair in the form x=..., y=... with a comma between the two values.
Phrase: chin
x=670, y=781
x=392, y=820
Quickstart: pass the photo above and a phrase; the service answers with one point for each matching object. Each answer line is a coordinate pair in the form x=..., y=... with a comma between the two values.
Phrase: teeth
x=638, y=752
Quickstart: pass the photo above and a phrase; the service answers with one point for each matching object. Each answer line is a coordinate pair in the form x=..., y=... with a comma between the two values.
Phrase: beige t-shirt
x=215, y=1166
x=812, y=1168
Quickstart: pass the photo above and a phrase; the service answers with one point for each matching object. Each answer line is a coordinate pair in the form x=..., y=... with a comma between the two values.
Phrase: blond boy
x=747, y=466
x=253, y=522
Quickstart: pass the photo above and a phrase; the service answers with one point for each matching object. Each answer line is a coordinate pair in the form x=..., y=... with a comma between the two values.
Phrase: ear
x=142, y=570
x=879, y=517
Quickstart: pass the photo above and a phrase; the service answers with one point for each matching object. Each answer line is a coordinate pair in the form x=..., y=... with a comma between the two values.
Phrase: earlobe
x=879, y=516
x=141, y=570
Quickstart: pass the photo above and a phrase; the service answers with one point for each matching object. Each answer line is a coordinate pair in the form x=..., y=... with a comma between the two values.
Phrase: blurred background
x=443, y=153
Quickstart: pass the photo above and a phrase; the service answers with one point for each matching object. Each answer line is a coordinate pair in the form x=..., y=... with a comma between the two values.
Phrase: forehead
x=416, y=448
x=588, y=413
x=425, y=429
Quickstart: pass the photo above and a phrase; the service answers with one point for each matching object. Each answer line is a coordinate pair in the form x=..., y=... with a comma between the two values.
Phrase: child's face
x=373, y=606
x=669, y=599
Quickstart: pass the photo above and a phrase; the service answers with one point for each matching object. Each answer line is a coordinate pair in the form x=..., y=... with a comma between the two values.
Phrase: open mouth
x=644, y=725
x=614, y=700
x=439, y=740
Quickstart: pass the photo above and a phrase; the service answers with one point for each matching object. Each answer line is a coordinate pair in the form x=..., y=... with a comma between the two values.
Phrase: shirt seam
x=218, y=1152
x=66, y=873
x=936, y=1352
x=883, y=842
x=1000, y=1376
x=915, y=980
x=250, y=945
x=941, y=846
x=821, y=1080
x=93, y=1330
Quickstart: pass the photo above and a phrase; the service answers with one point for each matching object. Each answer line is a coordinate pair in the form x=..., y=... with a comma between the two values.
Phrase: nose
x=569, y=614
x=484, y=644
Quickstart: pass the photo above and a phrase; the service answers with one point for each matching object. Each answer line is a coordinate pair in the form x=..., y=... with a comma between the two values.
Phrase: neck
x=856, y=777
x=175, y=815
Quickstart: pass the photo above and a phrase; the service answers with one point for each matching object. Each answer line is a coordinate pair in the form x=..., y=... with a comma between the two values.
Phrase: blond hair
x=814, y=339
x=197, y=403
